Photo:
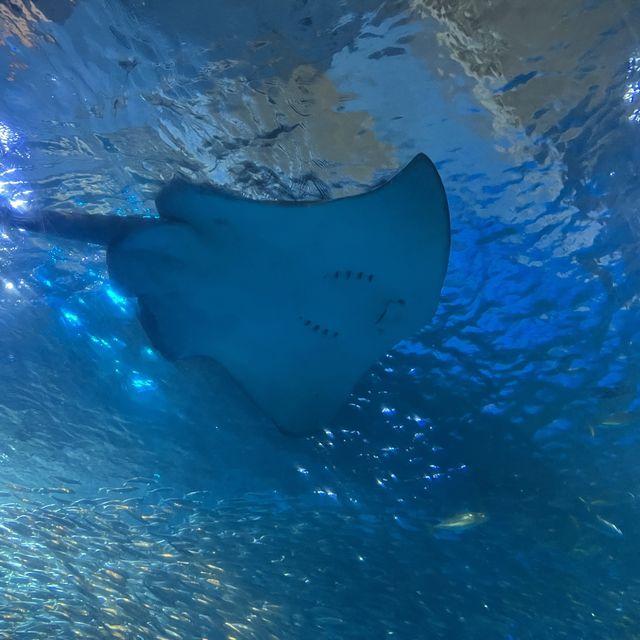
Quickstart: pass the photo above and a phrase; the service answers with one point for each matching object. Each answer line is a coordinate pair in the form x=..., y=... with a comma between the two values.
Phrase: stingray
x=295, y=300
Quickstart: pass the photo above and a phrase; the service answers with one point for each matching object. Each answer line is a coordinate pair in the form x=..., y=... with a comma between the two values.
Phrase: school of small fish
x=139, y=567
x=135, y=563
x=138, y=562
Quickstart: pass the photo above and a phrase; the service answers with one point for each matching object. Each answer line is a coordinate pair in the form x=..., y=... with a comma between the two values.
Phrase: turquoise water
x=139, y=500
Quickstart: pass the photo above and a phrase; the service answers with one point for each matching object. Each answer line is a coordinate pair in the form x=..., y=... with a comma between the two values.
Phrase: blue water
x=138, y=500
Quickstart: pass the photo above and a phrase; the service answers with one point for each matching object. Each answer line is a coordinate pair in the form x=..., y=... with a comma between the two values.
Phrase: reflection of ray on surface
x=17, y=19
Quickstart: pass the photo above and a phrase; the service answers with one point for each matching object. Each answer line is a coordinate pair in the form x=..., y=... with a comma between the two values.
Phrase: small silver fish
x=461, y=521
x=609, y=527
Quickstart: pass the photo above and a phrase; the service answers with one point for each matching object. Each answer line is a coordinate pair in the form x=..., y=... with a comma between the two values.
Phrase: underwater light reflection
x=18, y=202
x=632, y=91
x=71, y=318
x=13, y=189
x=122, y=303
x=7, y=138
x=140, y=384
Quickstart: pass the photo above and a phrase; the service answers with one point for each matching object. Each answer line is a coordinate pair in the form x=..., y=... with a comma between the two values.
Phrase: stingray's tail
x=76, y=225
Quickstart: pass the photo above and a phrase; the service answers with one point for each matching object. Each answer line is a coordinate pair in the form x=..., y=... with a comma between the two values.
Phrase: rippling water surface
x=135, y=502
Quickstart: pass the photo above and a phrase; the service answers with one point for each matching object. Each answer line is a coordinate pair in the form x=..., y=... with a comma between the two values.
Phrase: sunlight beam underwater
x=296, y=300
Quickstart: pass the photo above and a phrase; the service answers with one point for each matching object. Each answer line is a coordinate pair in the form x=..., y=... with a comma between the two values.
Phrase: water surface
x=520, y=401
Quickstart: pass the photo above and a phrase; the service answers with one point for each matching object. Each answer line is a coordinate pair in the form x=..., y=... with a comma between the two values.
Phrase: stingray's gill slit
x=347, y=273
x=241, y=292
x=316, y=327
